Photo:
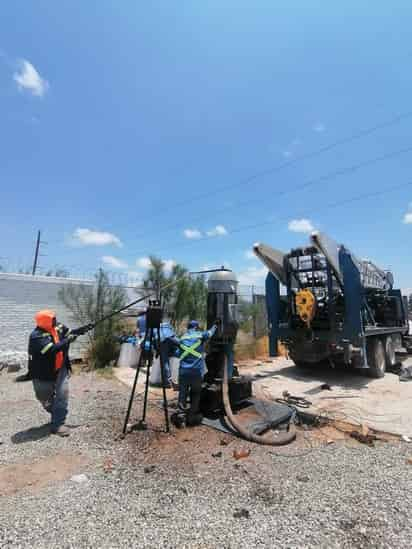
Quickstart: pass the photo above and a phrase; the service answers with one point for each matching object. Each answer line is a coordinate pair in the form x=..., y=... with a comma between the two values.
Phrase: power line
x=321, y=179
x=337, y=204
x=326, y=177
x=343, y=141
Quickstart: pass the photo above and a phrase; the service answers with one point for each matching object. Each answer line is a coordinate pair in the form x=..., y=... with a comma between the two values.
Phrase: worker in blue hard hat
x=192, y=369
x=167, y=346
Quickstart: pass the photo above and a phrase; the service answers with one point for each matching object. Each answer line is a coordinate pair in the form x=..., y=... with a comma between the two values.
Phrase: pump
x=222, y=309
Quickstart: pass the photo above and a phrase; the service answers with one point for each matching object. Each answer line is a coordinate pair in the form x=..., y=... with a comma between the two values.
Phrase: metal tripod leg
x=162, y=371
x=126, y=419
x=149, y=366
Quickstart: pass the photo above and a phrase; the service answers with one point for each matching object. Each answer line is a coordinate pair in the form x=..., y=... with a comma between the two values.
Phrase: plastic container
x=174, y=369
x=129, y=356
x=155, y=377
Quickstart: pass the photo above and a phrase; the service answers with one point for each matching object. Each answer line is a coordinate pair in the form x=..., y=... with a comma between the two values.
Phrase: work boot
x=61, y=431
x=24, y=377
x=178, y=419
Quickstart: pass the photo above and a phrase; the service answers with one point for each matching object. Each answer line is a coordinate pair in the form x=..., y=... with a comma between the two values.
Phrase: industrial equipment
x=336, y=307
x=153, y=320
x=222, y=309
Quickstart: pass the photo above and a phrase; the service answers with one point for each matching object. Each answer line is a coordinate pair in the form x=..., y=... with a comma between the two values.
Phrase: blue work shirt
x=141, y=324
x=192, y=347
x=167, y=336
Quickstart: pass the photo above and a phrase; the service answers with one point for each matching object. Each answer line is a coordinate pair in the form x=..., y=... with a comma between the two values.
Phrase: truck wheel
x=390, y=352
x=376, y=357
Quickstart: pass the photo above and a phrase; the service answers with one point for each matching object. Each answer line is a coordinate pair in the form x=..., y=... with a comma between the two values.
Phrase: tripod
x=152, y=334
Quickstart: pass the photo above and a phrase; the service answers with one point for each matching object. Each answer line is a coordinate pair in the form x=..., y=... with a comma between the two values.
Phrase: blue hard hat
x=193, y=324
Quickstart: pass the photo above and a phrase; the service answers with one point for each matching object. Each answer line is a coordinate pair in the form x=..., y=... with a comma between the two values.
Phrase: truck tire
x=390, y=354
x=375, y=351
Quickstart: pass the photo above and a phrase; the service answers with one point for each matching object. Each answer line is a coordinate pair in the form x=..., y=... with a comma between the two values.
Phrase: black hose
x=279, y=440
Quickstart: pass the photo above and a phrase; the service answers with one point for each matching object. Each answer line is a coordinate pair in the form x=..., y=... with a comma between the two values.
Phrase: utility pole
x=36, y=253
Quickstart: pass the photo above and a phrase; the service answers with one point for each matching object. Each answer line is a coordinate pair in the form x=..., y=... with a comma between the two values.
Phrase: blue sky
x=126, y=127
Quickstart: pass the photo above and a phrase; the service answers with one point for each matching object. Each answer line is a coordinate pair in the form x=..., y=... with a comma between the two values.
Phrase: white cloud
x=253, y=276
x=192, y=233
x=144, y=263
x=249, y=254
x=301, y=226
x=169, y=264
x=27, y=78
x=114, y=262
x=88, y=237
x=319, y=127
x=219, y=230
x=407, y=218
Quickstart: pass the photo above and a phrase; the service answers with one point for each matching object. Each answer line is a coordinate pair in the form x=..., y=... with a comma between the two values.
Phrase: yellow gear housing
x=305, y=306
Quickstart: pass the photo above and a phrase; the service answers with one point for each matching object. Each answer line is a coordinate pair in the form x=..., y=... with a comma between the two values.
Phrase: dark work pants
x=190, y=385
x=54, y=396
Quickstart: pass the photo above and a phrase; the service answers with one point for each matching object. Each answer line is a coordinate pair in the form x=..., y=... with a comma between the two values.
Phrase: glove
x=82, y=330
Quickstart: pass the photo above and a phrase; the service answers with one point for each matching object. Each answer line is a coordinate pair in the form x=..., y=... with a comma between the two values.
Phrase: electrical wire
x=313, y=154
x=332, y=205
x=311, y=182
x=306, y=184
x=343, y=141
x=337, y=204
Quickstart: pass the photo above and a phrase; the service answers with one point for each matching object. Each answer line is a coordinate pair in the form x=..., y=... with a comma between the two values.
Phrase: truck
x=334, y=307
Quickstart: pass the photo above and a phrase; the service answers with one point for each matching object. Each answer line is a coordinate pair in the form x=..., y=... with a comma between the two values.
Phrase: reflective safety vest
x=191, y=350
x=42, y=359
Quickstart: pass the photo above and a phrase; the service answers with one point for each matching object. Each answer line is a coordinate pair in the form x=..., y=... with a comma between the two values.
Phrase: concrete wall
x=21, y=296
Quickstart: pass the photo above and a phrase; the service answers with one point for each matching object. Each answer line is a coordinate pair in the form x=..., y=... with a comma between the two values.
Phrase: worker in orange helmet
x=49, y=367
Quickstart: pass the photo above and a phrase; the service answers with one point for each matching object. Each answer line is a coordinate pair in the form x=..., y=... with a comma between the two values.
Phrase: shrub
x=87, y=304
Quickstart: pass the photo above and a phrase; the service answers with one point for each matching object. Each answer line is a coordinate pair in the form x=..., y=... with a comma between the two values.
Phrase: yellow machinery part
x=305, y=306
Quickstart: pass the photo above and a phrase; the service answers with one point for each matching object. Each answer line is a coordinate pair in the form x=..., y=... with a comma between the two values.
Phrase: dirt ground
x=191, y=488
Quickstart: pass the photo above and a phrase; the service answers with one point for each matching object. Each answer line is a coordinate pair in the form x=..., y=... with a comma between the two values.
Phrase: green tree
x=183, y=296
x=156, y=277
x=198, y=302
x=87, y=304
x=248, y=312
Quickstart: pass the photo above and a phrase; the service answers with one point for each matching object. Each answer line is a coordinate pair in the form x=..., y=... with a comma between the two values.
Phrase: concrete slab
x=383, y=404
x=126, y=375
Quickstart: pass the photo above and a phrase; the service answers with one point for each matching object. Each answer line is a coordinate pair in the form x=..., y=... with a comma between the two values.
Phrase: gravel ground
x=187, y=490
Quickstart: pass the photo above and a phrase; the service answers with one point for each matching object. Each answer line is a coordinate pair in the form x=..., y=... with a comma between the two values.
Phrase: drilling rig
x=336, y=307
